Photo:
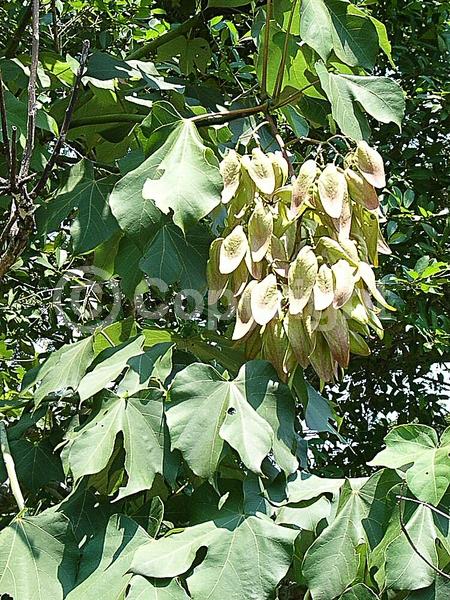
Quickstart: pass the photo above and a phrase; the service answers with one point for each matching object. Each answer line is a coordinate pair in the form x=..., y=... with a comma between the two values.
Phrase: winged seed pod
x=230, y=169
x=370, y=164
x=361, y=190
x=298, y=260
x=344, y=283
x=301, y=279
x=244, y=318
x=260, y=229
x=280, y=168
x=301, y=188
x=265, y=300
x=233, y=250
x=332, y=188
x=217, y=281
x=323, y=289
x=260, y=169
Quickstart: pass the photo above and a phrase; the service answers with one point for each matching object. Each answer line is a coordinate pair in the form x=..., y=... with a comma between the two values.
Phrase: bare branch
x=65, y=126
x=4, y=124
x=32, y=106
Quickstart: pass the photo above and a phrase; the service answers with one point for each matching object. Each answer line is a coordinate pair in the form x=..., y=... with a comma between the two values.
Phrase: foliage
x=165, y=447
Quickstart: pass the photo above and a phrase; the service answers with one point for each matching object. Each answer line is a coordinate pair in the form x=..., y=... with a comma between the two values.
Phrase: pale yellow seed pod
x=371, y=165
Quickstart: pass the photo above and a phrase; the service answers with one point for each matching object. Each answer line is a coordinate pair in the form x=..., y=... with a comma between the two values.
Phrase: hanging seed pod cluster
x=297, y=259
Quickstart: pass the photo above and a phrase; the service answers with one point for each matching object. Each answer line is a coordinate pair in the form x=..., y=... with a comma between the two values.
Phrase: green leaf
x=428, y=477
x=227, y=3
x=246, y=557
x=38, y=557
x=175, y=258
x=63, y=370
x=36, y=463
x=94, y=222
x=107, y=370
x=380, y=97
x=141, y=422
x=405, y=569
x=142, y=588
x=297, y=63
x=106, y=559
x=155, y=363
x=17, y=112
x=359, y=592
x=328, y=25
x=183, y=176
x=254, y=414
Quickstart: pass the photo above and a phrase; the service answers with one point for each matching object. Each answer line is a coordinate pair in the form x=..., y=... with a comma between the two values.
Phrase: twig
x=32, y=106
x=219, y=118
x=265, y=66
x=4, y=124
x=280, y=142
x=10, y=467
x=413, y=546
x=294, y=97
x=426, y=504
x=66, y=123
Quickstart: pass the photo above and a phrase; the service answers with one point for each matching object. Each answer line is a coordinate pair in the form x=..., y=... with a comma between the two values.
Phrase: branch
x=4, y=124
x=219, y=118
x=413, y=546
x=32, y=107
x=266, y=48
x=150, y=47
x=14, y=41
x=66, y=123
x=10, y=467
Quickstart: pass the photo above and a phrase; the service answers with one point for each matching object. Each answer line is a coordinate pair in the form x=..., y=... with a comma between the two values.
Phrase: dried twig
x=32, y=85
x=55, y=27
x=65, y=126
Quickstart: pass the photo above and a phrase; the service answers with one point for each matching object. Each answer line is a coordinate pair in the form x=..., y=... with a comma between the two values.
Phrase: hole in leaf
x=231, y=411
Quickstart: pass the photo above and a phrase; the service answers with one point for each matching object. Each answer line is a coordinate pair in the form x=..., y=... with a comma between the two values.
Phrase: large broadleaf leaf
x=140, y=420
x=329, y=25
x=246, y=556
x=428, y=475
x=110, y=365
x=181, y=176
x=94, y=222
x=106, y=559
x=38, y=557
x=176, y=258
x=63, y=370
x=253, y=413
x=380, y=97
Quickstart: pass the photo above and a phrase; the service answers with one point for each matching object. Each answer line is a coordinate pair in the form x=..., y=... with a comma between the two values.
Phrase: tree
x=185, y=161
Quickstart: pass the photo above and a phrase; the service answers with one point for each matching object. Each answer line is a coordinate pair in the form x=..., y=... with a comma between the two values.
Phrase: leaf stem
x=280, y=75
x=10, y=467
x=412, y=544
